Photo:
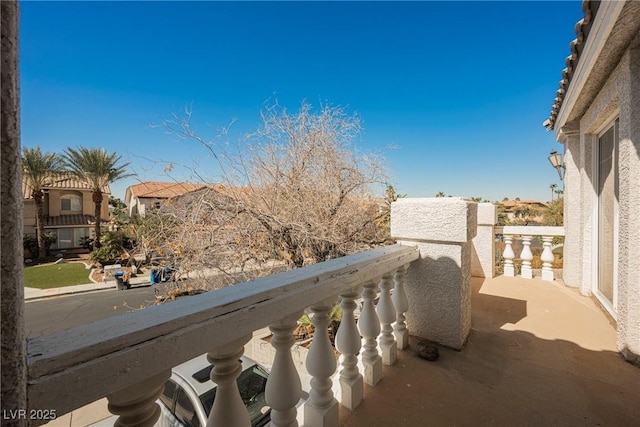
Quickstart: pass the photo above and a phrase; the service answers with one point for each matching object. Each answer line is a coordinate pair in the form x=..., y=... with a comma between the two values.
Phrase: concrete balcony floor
x=539, y=354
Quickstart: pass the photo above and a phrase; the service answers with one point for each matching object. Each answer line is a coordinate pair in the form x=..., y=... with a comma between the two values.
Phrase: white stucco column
x=629, y=205
x=484, y=244
x=587, y=211
x=572, y=251
x=13, y=348
x=438, y=285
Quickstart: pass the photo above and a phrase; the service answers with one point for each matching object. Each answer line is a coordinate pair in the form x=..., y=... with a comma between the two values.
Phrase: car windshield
x=251, y=383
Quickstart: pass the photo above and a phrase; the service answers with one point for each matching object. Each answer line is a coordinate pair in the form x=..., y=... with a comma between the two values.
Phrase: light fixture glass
x=555, y=159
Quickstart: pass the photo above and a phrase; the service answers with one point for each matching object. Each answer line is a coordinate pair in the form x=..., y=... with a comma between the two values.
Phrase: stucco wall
x=629, y=209
x=619, y=97
x=54, y=203
x=484, y=243
x=438, y=285
x=13, y=375
x=29, y=220
x=572, y=251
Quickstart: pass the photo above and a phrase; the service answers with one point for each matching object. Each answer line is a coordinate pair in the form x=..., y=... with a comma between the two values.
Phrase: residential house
x=519, y=209
x=68, y=208
x=153, y=194
x=596, y=116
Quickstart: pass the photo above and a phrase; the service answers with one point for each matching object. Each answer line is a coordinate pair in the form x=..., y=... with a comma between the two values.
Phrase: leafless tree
x=297, y=191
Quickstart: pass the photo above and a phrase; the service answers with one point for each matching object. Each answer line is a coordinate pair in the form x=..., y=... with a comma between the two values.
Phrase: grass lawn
x=56, y=275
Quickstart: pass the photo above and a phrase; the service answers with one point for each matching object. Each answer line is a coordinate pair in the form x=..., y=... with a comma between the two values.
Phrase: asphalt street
x=64, y=312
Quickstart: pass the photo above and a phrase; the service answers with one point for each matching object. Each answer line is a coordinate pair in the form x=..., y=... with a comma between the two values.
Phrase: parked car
x=188, y=395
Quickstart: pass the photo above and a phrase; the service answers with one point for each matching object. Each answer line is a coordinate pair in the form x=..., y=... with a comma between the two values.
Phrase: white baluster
x=508, y=256
x=369, y=327
x=283, y=386
x=136, y=405
x=387, y=315
x=348, y=342
x=547, y=258
x=401, y=304
x=228, y=407
x=322, y=408
x=526, y=256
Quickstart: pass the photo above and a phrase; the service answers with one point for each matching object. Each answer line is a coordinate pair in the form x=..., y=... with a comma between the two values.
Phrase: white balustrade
x=387, y=315
x=283, y=386
x=369, y=327
x=508, y=256
x=547, y=258
x=526, y=256
x=322, y=408
x=136, y=405
x=228, y=408
x=129, y=358
x=349, y=342
x=401, y=304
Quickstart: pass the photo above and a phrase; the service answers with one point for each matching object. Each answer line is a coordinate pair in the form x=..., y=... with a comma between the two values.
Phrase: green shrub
x=30, y=243
x=111, y=250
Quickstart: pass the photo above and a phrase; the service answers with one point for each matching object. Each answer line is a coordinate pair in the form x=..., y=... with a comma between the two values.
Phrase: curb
x=40, y=294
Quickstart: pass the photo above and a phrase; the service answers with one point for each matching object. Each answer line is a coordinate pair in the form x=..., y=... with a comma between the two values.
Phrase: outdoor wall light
x=555, y=159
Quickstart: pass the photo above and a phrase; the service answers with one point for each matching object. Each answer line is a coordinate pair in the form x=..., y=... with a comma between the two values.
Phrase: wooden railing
x=128, y=358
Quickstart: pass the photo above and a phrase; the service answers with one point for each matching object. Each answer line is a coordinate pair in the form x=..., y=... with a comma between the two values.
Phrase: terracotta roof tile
x=163, y=190
x=62, y=182
x=589, y=9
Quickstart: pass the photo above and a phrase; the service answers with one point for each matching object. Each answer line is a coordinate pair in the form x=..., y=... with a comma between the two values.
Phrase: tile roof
x=589, y=9
x=162, y=190
x=62, y=182
x=69, y=220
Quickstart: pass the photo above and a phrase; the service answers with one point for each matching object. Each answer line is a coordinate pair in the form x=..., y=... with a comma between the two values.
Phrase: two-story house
x=153, y=194
x=68, y=209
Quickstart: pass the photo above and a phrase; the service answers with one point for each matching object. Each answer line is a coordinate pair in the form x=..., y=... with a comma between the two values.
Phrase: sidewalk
x=31, y=294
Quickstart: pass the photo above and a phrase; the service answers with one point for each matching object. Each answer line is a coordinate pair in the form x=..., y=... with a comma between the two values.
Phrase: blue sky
x=454, y=93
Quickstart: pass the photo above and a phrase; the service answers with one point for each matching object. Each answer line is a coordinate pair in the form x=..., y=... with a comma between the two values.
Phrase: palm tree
x=553, y=188
x=440, y=194
x=97, y=168
x=37, y=171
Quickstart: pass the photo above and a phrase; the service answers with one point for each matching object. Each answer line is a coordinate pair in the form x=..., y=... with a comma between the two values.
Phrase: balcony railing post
x=228, y=407
x=349, y=342
x=283, y=386
x=136, y=405
x=369, y=327
x=387, y=314
x=547, y=258
x=321, y=410
x=401, y=304
x=526, y=256
x=508, y=255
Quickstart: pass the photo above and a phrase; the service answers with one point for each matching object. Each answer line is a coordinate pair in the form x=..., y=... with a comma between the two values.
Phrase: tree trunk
x=38, y=197
x=97, y=199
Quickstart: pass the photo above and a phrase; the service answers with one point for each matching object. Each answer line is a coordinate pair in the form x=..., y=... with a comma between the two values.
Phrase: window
x=70, y=237
x=65, y=237
x=71, y=202
x=185, y=412
x=167, y=394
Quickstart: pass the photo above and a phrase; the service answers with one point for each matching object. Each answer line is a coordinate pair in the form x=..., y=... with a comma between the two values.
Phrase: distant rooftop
x=62, y=182
x=161, y=190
